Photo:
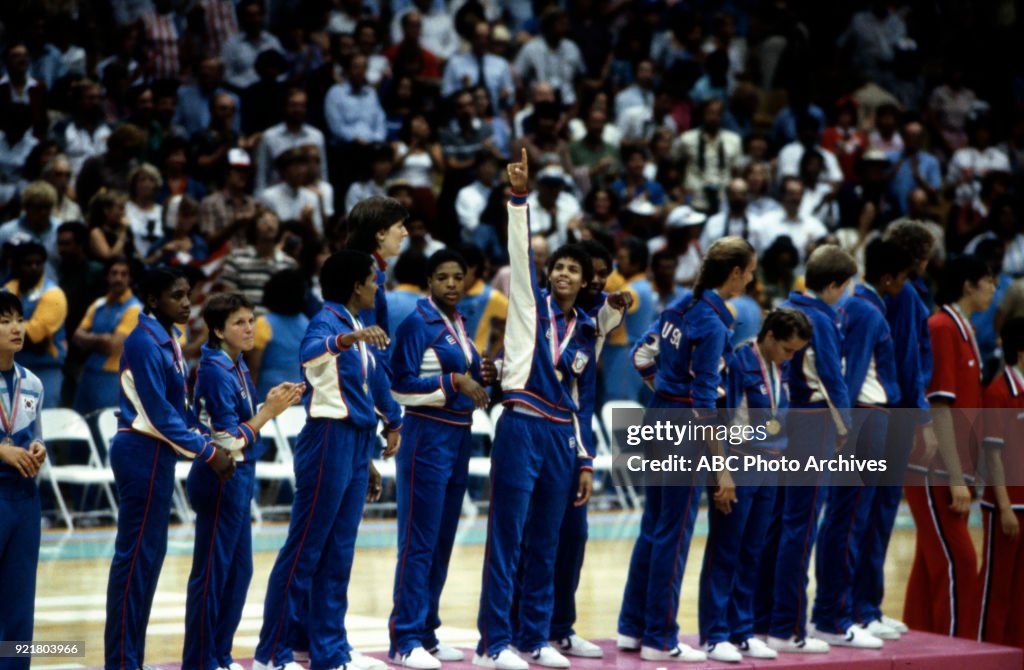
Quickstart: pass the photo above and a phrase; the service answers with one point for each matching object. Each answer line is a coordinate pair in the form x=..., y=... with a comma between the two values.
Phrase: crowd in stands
x=234, y=137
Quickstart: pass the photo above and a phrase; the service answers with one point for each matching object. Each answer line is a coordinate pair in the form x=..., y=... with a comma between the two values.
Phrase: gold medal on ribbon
x=366, y=388
x=559, y=376
x=773, y=426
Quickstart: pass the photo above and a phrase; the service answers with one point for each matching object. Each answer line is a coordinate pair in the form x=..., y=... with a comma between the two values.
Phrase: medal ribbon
x=245, y=390
x=969, y=329
x=179, y=364
x=8, y=419
x=558, y=347
x=458, y=331
x=364, y=356
x=771, y=381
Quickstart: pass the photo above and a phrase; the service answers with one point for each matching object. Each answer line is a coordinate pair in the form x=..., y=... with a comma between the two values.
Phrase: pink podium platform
x=915, y=651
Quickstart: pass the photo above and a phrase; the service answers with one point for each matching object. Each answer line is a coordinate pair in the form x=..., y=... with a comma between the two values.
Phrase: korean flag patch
x=579, y=363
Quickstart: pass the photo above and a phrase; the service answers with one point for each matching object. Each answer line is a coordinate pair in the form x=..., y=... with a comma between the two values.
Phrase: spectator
x=17, y=143
x=969, y=165
x=484, y=309
x=808, y=133
x=759, y=200
x=220, y=23
x=601, y=211
x=914, y=168
x=84, y=134
x=145, y=216
x=479, y=67
x=844, y=139
x=683, y=229
x=638, y=94
x=473, y=199
x=871, y=39
x=81, y=278
x=110, y=170
x=73, y=58
x=552, y=57
x=290, y=133
x=192, y=111
x=639, y=123
x=45, y=308
x=633, y=185
x=275, y=358
x=241, y=49
x=554, y=212
x=210, y=147
x=1004, y=225
x=410, y=272
x=716, y=83
x=734, y=219
x=543, y=144
x=355, y=120
x=110, y=233
x=621, y=380
x=224, y=215
x=346, y=16
x=610, y=134
x=19, y=89
x=865, y=205
x=408, y=55
x=709, y=153
x=540, y=92
x=803, y=231
x=950, y=107
x=125, y=46
x=819, y=199
x=968, y=219
x=180, y=243
x=461, y=142
x=57, y=172
x=248, y=269
x=101, y=335
x=142, y=114
x=777, y=271
x=498, y=123
x=162, y=29
x=263, y=101
x=381, y=161
x=36, y=223
x=664, y=270
x=540, y=249
x=886, y=137
x=595, y=160
x=290, y=200
x=368, y=42
x=321, y=189
x=784, y=128
x=438, y=36
x=176, y=177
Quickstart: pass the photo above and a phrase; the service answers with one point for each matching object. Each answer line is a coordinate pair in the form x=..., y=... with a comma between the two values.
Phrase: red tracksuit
x=942, y=592
x=1002, y=569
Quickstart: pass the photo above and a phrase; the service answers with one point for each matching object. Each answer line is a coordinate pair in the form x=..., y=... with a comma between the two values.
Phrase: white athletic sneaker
x=292, y=665
x=256, y=665
x=446, y=653
x=895, y=624
x=418, y=659
x=795, y=645
x=725, y=652
x=503, y=660
x=754, y=647
x=574, y=645
x=681, y=654
x=357, y=661
x=628, y=643
x=855, y=637
x=545, y=656
x=881, y=631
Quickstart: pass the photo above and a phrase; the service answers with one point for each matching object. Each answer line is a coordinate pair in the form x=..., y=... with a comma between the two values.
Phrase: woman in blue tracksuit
x=346, y=387
x=225, y=400
x=694, y=350
x=154, y=428
x=439, y=379
x=21, y=455
x=756, y=396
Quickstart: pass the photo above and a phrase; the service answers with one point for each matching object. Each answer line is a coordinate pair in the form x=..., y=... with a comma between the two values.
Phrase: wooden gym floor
x=72, y=577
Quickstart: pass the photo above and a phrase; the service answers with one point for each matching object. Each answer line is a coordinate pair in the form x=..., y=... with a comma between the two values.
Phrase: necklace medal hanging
x=458, y=332
x=559, y=347
x=7, y=419
x=774, y=387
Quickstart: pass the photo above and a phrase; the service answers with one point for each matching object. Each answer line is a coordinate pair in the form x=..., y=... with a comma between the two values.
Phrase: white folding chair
x=64, y=424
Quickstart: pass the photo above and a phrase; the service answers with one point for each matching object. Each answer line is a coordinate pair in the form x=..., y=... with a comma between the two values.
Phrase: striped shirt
x=247, y=273
x=162, y=45
x=220, y=24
